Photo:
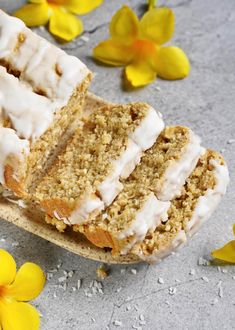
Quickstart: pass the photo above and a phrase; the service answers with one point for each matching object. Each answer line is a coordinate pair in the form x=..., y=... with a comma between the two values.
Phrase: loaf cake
x=86, y=178
x=144, y=201
x=42, y=90
x=199, y=198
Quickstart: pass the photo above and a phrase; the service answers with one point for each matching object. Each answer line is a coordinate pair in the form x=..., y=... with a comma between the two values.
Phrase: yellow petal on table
x=234, y=229
x=124, y=26
x=113, y=53
x=28, y=283
x=82, y=7
x=7, y=268
x=172, y=63
x=65, y=25
x=140, y=73
x=34, y=14
x=158, y=25
x=18, y=316
x=226, y=253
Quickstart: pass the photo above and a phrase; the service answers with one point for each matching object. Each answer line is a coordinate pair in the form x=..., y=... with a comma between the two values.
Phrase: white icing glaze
x=10, y=145
x=82, y=212
x=176, y=174
x=207, y=203
x=148, y=218
x=30, y=114
x=142, y=138
x=9, y=30
x=147, y=132
x=37, y=61
x=158, y=255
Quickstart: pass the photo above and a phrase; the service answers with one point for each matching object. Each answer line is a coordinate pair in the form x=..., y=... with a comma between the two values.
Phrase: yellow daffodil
x=137, y=45
x=60, y=15
x=227, y=252
x=15, y=289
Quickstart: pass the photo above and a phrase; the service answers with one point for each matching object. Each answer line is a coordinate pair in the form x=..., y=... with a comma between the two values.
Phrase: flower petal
x=7, y=268
x=34, y=14
x=65, y=25
x=226, y=253
x=140, y=73
x=37, y=1
x=28, y=283
x=158, y=25
x=113, y=53
x=124, y=26
x=18, y=316
x=82, y=7
x=152, y=4
x=172, y=63
x=234, y=229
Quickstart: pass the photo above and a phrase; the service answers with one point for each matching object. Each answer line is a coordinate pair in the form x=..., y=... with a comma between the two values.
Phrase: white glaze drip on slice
x=30, y=114
x=148, y=218
x=207, y=203
x=177, y=173
x=158, y=255
x=9, y=30
x=143, y=137
x=10, y=145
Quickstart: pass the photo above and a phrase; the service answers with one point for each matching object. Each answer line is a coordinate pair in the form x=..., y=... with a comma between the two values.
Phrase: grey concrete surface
x=205, y=101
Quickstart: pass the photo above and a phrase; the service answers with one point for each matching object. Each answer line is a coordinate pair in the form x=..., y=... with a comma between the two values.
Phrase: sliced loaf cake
x=86, y=178
x=42, y=90
x=200, y=196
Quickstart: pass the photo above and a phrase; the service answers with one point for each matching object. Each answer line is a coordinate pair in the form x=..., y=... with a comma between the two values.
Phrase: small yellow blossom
x=60, y=15
x=137, y=45
x=227, y=252
x=15, y=289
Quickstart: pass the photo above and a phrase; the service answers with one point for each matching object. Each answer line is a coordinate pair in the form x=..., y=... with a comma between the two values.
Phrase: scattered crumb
x=231, y=141
x=136, y=308
x=225, y=271
x=119, y=289
x=141, y=317
x=123, y=271
x=172, y=291
x=134, y=271
x=192, y=272
x=160, y=280
x=203, y=262
x=136, y=327
x=220, y=289
x=15, y=244
x=205, y=279
x=117, y=323
x=79, y=283
x=102, y=272
x=128, y=308
x=62, y=279
x=93, y=319
x=54, y=295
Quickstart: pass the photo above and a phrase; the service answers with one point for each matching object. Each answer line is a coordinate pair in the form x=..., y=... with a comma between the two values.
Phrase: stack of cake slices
x=115, y=174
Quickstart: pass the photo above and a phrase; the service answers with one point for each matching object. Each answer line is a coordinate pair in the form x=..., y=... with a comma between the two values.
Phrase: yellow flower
x=138, y=46
x=15, y=289
x=227, y=252
x=60, y=15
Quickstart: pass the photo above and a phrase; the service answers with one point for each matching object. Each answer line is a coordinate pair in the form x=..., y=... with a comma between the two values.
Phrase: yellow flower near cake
x=152, y=4
x=227, y=252
x=59, y=13
x=16, y=288
x=138, y=45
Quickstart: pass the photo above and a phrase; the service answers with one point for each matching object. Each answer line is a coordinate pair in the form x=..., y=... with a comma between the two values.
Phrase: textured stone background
x=206, y=102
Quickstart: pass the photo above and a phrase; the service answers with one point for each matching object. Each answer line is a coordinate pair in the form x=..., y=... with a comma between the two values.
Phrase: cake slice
x=200, y=197
x=86, y=178
x=139, y=207
x=42, y=90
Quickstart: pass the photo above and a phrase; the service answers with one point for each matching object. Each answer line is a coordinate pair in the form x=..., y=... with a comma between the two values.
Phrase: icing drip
x=207, y=204
x=46, y=68
x=9, y=29
x=10, y=145
x=30, y=114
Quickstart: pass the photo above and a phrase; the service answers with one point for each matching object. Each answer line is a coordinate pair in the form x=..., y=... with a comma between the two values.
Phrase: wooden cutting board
x=33, y=221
